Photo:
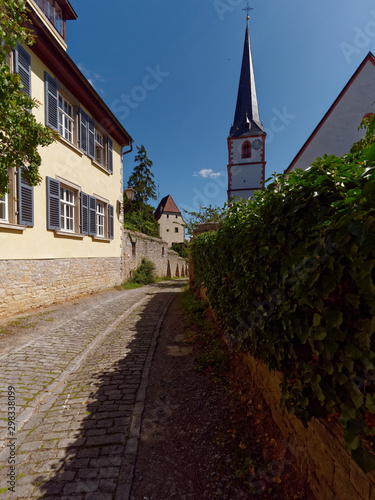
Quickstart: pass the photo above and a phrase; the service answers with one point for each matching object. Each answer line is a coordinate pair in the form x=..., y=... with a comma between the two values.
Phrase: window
x=176, y=229
x=59, y=20
x=17, y=206
x=99, y=147
x=246, y=150
x=60, y=116
x=67, y=209
x=66, y=119
x=100, y=219
x=53, y=12
x=71, y=210
x=48, y=9
x=4, y=216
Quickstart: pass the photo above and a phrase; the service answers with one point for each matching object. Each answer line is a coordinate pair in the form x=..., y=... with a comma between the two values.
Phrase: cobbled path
x=79, y=393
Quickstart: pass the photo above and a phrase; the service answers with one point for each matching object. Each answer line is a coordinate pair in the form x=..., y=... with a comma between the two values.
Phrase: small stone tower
x=246, y=141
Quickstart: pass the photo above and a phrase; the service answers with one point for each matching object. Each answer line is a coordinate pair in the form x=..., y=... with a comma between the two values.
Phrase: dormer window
x=54, y=13
x=246, y=150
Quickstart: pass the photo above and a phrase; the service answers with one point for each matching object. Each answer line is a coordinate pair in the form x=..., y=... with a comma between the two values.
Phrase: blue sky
x=169, y=70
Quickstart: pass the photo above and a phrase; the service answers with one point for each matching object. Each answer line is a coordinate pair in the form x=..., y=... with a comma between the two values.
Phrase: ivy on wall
x=290, y=275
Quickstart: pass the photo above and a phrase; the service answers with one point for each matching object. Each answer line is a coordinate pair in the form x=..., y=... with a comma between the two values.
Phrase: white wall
x=340, y=130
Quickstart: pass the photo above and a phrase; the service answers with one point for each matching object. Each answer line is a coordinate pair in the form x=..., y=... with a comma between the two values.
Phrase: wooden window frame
x=4, y=202
x=101, y=219
x=66, y=118
x=100, y=146
x=66, y=206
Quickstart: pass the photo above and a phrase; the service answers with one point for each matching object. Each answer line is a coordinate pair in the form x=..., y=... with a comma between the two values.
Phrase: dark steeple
x=246, y=118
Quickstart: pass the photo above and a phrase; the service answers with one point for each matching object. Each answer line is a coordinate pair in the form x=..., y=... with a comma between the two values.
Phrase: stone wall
x=319, y=450
x=137, y=245
x=26, y=284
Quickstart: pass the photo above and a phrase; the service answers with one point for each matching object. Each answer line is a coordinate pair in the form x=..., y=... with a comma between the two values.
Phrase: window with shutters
x=17, y=206
x=67, y=209
x=66, y=119
x=104, y=218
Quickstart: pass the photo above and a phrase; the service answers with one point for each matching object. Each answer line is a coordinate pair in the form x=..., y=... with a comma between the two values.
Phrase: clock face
x=257, y=144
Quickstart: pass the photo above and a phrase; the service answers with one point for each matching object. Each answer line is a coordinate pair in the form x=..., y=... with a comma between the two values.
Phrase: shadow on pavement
x=94, y=461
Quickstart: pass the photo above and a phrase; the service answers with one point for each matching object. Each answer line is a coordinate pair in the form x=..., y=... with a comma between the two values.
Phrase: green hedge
x=291, y=278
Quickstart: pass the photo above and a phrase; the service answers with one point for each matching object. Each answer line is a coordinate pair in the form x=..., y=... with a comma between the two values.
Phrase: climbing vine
x=290, y=275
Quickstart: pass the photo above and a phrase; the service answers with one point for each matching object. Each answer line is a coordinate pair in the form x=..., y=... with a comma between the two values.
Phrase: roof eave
x=370, y=57
x=59, y=62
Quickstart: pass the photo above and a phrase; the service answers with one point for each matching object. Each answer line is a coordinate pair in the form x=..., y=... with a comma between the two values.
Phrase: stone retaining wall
x=138, y=245
x=26, y=284
x=319, y=450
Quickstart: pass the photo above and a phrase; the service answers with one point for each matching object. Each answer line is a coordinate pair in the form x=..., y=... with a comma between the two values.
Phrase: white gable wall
x=340, y=129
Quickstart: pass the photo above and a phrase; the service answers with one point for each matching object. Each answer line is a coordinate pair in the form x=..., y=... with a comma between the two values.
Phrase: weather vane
x=248, y=9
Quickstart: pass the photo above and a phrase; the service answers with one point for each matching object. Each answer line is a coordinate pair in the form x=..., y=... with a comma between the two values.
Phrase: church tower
x=246, y=141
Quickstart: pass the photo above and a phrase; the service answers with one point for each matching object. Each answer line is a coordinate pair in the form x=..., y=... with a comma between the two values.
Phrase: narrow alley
x=79, y=391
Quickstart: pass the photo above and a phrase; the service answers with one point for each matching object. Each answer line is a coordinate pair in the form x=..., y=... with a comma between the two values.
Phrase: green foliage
x=368, y=142
x=290, y=275
x=181, y=249
x=144, y=274
x=143, y=223
x=20, y=133
x=205, y=214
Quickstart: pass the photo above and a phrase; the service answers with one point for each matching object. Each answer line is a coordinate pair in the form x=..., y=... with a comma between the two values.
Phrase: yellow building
x=63, y=237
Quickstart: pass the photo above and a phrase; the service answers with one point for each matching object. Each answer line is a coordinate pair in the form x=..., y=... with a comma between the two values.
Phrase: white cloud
x=93, y=80
x=207, y=172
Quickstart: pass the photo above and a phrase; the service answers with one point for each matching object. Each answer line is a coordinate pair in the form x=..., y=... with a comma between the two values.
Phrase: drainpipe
x=130, y=150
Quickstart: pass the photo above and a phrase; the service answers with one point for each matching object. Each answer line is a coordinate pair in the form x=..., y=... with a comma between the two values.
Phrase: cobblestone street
x=79, y=392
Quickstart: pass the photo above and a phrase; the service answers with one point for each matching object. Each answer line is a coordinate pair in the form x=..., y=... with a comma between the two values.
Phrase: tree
x=142, y=181
x=20, y=133
x=139, y=215
x=205, y=214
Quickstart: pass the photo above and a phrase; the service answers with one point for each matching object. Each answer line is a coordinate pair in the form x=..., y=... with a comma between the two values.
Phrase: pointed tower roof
x=167, y=205
x=246, y=118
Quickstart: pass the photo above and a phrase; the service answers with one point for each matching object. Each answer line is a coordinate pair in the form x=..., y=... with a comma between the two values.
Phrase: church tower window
x=246, y=150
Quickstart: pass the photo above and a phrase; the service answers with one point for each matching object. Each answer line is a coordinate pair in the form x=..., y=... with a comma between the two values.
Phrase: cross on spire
x=248, y=9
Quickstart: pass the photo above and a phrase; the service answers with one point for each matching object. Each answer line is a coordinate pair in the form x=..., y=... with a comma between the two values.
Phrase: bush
x=291, y=277
x=143, y=224
x=181, y=249
x=144, y=274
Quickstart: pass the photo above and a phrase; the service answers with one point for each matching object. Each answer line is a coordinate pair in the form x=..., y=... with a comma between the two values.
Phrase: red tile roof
x=167, y=204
